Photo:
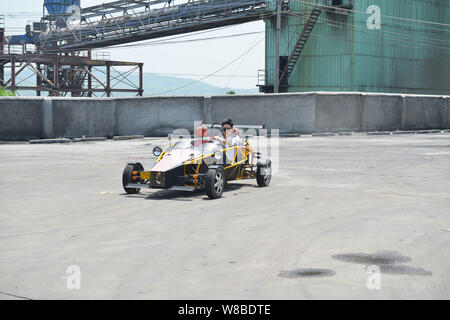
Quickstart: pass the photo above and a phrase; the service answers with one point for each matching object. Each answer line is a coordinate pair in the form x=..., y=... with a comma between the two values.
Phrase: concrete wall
x=20, y=118
x=382, y=112
x=339, y=112
x=424, y=112
x=30, y=118
x=446, y=113
x=77, y=117
x=289, y=113
x=156, y=116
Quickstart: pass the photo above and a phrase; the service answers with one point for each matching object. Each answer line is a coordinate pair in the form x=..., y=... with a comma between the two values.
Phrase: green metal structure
x=400, y=46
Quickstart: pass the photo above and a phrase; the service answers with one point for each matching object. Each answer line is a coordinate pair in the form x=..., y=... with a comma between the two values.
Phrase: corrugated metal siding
x=344, y=55
x=399, y=57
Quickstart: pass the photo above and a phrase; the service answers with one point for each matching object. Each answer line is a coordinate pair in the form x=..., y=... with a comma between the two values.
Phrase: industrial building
x=400, y=46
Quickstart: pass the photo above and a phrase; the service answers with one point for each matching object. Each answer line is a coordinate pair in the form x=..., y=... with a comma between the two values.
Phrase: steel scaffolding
x=130, y=21
x=54, y=47
x=60, y=75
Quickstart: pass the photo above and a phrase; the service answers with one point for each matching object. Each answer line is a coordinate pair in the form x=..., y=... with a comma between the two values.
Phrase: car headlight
x=157, y=151
x=159, y=178
x=218, y=155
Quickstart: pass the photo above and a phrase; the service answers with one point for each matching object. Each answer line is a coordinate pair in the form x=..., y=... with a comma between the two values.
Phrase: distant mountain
x=156, y=85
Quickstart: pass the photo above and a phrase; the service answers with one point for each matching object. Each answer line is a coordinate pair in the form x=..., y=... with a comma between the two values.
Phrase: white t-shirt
x=232, y=141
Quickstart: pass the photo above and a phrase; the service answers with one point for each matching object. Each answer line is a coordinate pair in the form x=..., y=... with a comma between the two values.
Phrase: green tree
x=4, y=92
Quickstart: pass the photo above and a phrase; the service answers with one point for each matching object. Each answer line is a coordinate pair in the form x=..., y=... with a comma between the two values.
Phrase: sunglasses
x=225, y=129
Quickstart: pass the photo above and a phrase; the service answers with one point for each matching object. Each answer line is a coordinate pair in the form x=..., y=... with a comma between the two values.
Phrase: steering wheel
x=219, y=124
x=212, y=126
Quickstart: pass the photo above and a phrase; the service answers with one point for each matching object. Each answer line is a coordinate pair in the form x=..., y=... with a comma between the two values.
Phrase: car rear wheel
x=127, y=177
x=264, y=174
x=215, y=183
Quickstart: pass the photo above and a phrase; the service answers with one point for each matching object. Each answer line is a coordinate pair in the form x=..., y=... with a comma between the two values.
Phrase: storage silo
x=59, y=7
x=58, y=11
x=400, y=46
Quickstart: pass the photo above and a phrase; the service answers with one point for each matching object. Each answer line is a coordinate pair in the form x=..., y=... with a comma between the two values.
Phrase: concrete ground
x=338, y=209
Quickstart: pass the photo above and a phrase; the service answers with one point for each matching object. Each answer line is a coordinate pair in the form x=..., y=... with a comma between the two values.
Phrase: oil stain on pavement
x=386, y=260
x=307, y=273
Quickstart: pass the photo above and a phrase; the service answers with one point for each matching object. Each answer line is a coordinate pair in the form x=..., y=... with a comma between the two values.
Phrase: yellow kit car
x=191, y=164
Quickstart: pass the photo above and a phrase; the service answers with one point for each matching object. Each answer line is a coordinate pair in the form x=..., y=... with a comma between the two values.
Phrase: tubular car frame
x=207, y=166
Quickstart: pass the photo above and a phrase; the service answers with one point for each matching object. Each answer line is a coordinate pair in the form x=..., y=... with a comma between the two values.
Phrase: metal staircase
x=300, y=45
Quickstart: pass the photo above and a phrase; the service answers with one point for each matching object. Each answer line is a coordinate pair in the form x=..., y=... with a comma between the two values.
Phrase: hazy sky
x=202, y=57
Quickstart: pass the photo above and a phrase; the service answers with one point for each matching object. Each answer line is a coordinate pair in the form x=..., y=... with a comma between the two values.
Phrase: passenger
x=200, y=135
x=230, y=138
x=230, y=135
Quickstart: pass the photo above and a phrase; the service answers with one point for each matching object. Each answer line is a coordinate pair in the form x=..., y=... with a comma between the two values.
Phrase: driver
x=230, y=135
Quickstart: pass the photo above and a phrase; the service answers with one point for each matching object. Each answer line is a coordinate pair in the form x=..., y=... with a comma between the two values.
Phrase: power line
x=202, y=75
x=159, y=42
x=360, y=41
x=363, y=22
x=190, y=40
x=401, y=39
x=207, y=76
x=94, y=26
x=20, y=15
x=413, y=44
x=181, y=36
x=365, y=13
x=235, y=71
x=5, y=12
x=344, y=12
x=334, y=23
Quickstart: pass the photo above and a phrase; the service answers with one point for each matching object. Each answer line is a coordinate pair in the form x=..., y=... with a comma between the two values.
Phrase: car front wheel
x=215, y=182
x=127, y=177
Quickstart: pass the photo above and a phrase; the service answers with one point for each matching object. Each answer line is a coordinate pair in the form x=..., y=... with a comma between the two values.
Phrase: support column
x=47, y=118
x=73, y=80
x=276, y=82
x=2, y=66
x=141, y=79
x=38, y=80
x=108, y=80
x=56, y=79
x=13, y=73
x=89, y=81
x=207, y=109
x=2, y=74
x=363, y=107
x=403, y=125
x=89, y=53
x=447, y=113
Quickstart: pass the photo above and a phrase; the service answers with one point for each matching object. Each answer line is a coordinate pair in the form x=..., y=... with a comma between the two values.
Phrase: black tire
x=126, y=177
x=215, y=182
x=263, y=180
